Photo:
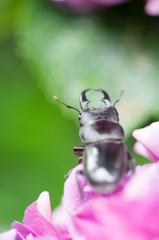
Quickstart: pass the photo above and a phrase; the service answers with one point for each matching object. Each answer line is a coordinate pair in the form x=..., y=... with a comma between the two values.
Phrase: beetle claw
x=83, y=100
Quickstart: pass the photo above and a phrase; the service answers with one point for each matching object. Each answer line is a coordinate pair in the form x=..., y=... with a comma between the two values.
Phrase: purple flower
x=151, y=7
x=130, y=212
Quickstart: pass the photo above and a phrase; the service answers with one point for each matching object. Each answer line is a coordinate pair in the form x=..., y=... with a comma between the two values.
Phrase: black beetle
x=104, y=155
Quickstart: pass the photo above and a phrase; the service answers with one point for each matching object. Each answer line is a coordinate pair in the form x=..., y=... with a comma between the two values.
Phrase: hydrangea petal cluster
x=148, y=141
x=151, y=7
x=130, y=212
x=38, y=224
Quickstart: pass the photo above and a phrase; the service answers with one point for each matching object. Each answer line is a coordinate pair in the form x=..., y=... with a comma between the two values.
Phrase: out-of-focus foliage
x=116, y=48
x=8, y=9
x=35, y=143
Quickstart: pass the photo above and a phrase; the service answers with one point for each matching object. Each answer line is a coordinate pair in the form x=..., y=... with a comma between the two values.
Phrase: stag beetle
x=104, y=155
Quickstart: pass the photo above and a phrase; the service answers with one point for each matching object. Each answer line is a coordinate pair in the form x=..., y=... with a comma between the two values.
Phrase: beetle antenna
x=121, y=93
x=65, y=104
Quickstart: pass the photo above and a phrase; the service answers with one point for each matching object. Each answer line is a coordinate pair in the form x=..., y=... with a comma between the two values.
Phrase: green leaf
x=69, y=53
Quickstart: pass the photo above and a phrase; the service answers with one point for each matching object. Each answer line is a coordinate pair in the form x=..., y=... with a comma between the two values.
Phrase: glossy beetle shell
x=101, y=130
x=104, y=164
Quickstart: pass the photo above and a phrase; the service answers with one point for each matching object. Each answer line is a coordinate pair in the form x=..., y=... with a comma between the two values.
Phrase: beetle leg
x=132, y=163
x=79, y=150
x=78, y=183
x=66, y=176
x=80, y=160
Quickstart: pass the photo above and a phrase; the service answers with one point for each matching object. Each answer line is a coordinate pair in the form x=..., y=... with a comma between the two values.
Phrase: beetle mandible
x=105, y=156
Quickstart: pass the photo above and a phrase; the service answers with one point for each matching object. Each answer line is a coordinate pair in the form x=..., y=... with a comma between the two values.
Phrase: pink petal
x=60, y=216
x=143, y=183
x=132, y=214
x=37, y=218
x=80, y=6
x=30, y=237
x=44, y=206
x=37, y=222
x=11, y=235
x=117, y=219
x=23, y=230
x=152, y=7
x=149, y=137
x=77, y=190
x=61, y=220
x=62, y=231
x=45, y=238
x=110, y=2
x=140, y=149
x=72, y=195
x=88, y=5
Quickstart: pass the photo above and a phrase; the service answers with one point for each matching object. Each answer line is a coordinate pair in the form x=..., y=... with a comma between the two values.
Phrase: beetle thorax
x=88, y=116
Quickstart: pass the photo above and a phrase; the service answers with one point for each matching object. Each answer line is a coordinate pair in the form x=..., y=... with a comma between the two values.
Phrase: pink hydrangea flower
x=151, y=7
x=130, y=212
x=148, y=141
x=38, y=224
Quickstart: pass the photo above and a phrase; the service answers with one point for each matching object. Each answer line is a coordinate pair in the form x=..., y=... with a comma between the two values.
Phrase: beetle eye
x=79, y=116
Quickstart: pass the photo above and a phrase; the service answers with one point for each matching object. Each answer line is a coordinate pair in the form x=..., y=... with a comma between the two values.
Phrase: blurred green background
x=46, y=51
x=36, y=140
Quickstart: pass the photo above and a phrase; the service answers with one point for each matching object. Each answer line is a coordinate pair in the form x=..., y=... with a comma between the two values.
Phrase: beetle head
x=87, y=116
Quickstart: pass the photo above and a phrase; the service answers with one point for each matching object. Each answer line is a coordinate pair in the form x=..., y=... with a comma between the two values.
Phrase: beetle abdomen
x=101, y=130
x=104, y=164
